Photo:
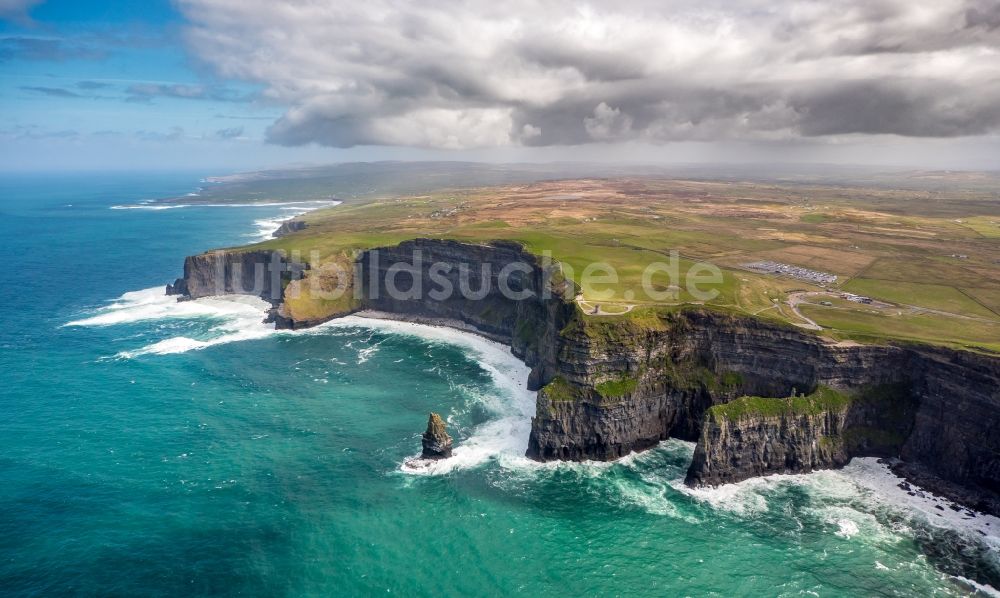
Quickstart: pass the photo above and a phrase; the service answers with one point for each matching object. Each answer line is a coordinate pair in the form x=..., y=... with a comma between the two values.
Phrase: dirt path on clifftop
x=593, y=308
x=793, y=302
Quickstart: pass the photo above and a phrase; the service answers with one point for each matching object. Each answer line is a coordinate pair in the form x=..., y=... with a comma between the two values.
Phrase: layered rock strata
x=262, y=273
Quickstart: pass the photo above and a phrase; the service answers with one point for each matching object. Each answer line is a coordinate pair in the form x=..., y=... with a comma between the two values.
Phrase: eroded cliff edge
x=757, y=397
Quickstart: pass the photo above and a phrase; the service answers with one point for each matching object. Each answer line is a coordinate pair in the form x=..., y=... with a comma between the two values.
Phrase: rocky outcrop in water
x=436, y=442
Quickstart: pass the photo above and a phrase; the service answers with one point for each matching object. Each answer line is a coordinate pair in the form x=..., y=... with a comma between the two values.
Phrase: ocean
x=149, y=447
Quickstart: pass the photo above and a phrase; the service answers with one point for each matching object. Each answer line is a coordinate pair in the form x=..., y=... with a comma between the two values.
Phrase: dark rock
x=436, y=442
x=262, y=273
x=531, y=326
x=178, y=288
x=871, y=421
x=288, y=227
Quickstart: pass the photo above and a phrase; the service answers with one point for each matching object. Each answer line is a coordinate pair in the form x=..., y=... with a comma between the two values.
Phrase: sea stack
x=436, y=442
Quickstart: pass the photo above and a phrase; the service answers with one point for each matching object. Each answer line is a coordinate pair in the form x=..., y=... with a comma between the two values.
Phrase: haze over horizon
x=224, y=85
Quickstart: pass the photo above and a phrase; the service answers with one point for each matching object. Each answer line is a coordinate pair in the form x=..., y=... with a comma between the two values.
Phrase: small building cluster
x=444, y=213
x=857, y=298
x=822, y=278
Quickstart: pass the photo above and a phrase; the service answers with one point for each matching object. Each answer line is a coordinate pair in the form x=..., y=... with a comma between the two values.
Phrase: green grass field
x=880, y=243
x=931, y=296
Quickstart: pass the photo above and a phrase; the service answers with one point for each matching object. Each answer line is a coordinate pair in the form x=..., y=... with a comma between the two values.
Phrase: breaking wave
x=238, y=318
x=504, y=438
x=266, y=227
x=310, y=205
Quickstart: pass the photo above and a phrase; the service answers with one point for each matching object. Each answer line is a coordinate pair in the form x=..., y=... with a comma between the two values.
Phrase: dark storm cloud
x=602, y=64
x=983, y=15
x=478, y=73
x=913, y=108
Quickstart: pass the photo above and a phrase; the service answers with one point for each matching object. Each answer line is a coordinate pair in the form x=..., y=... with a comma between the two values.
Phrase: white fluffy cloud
x=481, y=73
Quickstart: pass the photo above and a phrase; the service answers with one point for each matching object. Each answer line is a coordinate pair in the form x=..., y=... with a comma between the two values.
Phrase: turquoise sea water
x=155, y=448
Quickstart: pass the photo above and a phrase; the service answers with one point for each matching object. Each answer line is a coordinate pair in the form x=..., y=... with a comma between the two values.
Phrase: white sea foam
x=848, y=528
x=266, y=227
x=155, y=304
x=863, y=501
x=883, y=487
x=978, y=588
x=744, y=499
x=293, y=205
x=239, y=318
x=151, y=206
x=648, y=495
x=504, y=438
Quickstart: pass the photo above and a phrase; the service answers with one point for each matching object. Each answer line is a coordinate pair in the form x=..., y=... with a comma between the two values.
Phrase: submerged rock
x=436, y=442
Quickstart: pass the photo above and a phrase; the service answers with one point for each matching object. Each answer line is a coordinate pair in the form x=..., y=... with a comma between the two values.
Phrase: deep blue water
x=154, y=448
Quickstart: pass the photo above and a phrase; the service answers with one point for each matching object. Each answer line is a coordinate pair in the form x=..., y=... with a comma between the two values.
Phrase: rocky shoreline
x=757, y=397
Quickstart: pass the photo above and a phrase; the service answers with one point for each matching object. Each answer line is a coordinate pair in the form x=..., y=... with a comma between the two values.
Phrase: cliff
x=652, y=376
x=260, y=273
x=531, y=326
x=752, y=436
x=757, y=397
x=288, y=227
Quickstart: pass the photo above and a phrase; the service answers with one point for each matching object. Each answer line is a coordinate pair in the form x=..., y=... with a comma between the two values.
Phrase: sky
x=245, y=84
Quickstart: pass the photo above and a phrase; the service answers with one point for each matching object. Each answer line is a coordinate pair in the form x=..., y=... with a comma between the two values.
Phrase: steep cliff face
x=613, y=385
x=260, y=273
x=498, y=290
x=645, y=379
x=939, y=419
x=754, y=436
x=731, y=451
x=955, y=431
x=624, y=384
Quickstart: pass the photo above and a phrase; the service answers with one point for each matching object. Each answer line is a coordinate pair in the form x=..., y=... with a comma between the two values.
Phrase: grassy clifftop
x=932, y=265
x=823, y=399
